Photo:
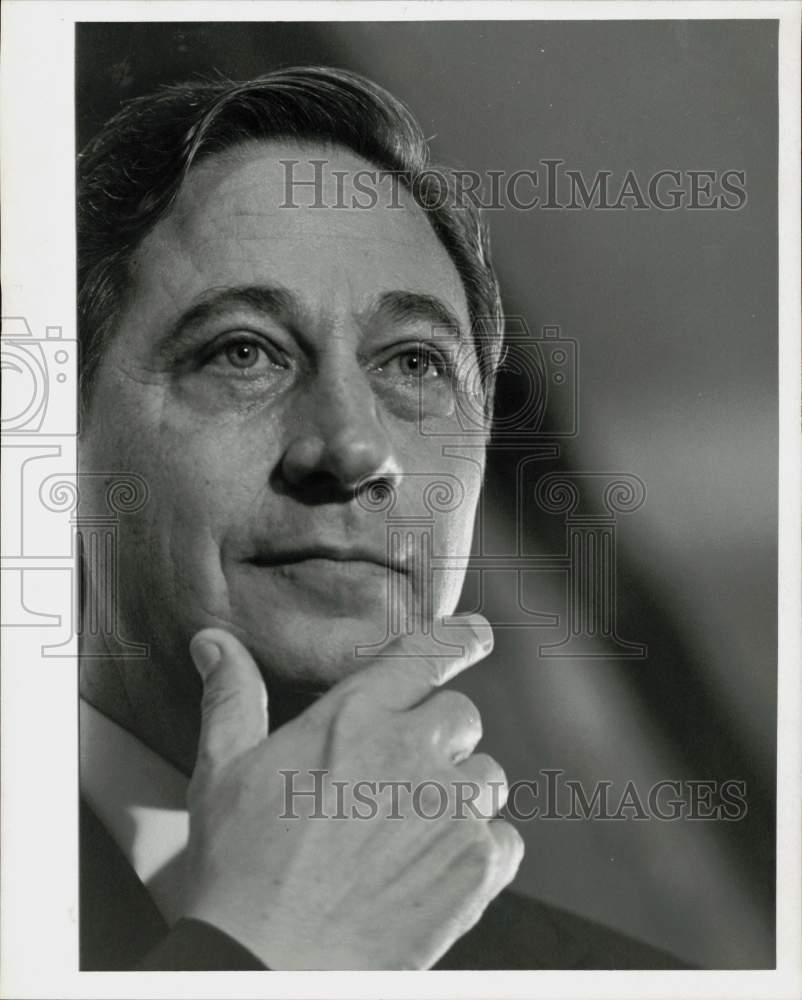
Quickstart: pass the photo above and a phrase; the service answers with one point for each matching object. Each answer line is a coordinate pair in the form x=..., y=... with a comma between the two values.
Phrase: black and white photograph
x=401, y=500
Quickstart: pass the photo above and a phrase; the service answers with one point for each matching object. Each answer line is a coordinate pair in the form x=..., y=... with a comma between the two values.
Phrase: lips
x=357, y=554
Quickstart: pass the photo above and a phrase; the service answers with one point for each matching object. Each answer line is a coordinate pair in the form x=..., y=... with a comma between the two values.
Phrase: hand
x=358, y=893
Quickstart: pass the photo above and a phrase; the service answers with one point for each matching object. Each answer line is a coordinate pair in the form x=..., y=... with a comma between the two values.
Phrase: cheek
x=457, y=523
x=202, y=486
x=202, y=478
x=213, y=478
x=438, y=497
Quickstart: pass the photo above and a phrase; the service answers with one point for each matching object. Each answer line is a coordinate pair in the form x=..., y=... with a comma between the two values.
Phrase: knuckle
x=449, y=716
x=510, y=843
x=477, y=638
x=497, y=772
x=491, y=856
x=488, y=768
x=433, y=801
x=218, y=699
x=478, y=859
x=460, y=706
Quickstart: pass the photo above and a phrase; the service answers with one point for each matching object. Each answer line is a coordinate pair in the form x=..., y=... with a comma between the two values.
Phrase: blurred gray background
x=675, y=314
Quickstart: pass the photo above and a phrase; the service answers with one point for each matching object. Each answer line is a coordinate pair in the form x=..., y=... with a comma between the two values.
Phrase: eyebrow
x=281, y=304
x=415, y=306
x=270, y=300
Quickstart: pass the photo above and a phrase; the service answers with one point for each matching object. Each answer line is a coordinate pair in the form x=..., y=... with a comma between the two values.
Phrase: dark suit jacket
x=121, y=929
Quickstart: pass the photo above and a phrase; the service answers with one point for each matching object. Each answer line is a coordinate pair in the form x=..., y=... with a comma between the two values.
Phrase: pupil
x=417, y=362
x=242, y=355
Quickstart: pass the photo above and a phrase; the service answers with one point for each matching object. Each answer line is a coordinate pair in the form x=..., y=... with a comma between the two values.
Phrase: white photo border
x=39, y=944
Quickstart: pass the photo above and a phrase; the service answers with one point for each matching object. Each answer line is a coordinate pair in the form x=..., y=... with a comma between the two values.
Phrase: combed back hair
x=130, y=174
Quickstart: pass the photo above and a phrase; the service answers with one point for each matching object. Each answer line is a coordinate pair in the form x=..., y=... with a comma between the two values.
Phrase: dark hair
x=130, y=174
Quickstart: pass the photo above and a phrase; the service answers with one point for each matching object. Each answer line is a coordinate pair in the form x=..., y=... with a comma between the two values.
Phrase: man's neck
x=134, y=696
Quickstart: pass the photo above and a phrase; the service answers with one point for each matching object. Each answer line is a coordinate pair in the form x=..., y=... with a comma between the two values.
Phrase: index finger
x=406, y=671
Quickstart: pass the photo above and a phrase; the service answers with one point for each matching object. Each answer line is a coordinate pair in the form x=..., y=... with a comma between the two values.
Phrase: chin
x=308, y=627
x=312, y=656
x=312, y=652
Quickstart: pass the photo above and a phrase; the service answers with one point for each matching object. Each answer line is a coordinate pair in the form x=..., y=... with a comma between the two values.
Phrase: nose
x=340, y=435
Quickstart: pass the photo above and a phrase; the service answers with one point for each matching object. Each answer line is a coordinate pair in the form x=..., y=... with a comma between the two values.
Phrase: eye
x=418, y=362
x=245, y=354
x=414, y=363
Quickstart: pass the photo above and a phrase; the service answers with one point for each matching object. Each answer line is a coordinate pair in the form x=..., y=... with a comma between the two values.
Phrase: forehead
x=246, y=217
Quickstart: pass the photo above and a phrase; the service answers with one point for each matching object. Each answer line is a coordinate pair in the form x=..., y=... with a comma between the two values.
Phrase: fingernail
x=205, y=655
x=482, y=630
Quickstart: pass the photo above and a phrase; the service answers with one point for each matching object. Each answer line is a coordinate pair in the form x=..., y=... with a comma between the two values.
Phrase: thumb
x=234, y=705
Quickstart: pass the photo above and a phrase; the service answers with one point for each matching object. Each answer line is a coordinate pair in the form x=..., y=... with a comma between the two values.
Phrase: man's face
x=268, y=361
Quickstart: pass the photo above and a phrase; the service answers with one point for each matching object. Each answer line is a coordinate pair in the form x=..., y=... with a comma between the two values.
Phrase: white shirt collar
x=141, y=800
